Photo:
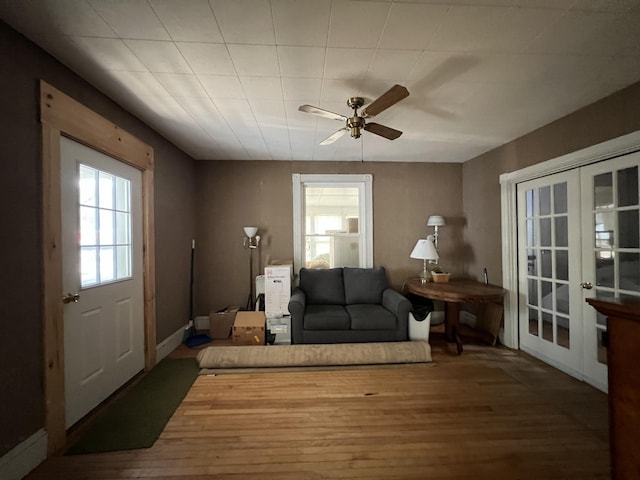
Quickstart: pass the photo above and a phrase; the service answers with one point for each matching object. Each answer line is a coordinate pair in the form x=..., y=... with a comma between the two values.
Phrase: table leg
x=452, y=324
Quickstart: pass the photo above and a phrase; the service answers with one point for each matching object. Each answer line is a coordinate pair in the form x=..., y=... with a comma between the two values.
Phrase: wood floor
x=490, y=413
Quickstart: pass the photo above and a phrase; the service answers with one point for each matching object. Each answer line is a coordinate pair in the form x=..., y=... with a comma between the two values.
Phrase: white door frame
x=602, y=151
x=60, y=115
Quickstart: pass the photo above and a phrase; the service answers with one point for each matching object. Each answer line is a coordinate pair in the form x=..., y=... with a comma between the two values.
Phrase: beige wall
x=231, y=195
x=609, y=118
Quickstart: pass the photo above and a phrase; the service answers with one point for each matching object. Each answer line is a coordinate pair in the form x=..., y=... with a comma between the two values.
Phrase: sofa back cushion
x=322, y=286
x=364, y=285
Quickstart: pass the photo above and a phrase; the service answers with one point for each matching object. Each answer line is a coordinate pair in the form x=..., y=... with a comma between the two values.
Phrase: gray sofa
x=347, y=305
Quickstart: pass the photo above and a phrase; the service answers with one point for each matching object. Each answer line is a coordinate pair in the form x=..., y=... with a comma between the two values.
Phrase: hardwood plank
x=490, y=413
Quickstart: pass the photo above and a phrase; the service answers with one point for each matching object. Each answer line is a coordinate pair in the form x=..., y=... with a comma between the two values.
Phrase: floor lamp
x=251, y=241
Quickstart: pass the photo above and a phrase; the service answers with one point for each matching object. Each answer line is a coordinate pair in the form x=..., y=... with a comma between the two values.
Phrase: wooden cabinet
x=623, y=355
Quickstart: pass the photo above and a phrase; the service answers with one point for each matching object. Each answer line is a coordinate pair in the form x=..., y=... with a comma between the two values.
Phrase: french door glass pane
x=630, y=271
x=629, y=230
x=628, y=187
x=603, y=191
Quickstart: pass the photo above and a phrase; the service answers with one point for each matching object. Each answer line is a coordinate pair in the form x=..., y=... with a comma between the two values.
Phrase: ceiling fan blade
x=334, y=136
x=383, y=131
x=387, y=99
x=321, y=112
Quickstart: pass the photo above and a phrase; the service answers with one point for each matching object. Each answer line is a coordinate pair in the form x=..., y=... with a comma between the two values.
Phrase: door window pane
x=532, y=262
x=605, y=275
x=531, y=233
x=545, y=232
x=547, y=326
x=562, y=232
x=533, y=321
x=562, y=265
x=105, y=221
x=562, y=331
x=604, y=229
x=560, y=198
x=533, y=291
x=630, y=271
x=562, y=298
x=628, y=229
x=546, y=292
x=603, y=191
x=547, y=271
x=545, y=200
x=628, y=187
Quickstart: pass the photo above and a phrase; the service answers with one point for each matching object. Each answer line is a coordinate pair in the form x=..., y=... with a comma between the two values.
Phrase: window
x=333, y=221
x=105, y=227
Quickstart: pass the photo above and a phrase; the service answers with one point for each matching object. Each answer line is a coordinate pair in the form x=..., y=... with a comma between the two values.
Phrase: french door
x=577, y=237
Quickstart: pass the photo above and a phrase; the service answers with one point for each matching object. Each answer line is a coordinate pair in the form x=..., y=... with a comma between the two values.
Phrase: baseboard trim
x=24, y=457
x=170, y=343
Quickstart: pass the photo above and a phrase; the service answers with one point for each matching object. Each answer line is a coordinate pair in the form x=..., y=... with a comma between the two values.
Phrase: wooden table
x=453, y=293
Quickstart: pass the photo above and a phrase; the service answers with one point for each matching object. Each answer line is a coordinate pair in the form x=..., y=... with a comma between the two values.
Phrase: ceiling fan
x=357, y=122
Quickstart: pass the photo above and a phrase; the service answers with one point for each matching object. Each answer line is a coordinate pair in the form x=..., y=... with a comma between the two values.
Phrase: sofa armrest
x=399, y=305
x=297, y=305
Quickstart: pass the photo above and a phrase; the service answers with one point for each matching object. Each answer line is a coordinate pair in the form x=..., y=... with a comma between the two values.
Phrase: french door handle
x=587, y=285
x=71, y=298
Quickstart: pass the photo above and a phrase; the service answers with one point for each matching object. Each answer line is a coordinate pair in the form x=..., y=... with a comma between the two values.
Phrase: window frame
x=363, y=182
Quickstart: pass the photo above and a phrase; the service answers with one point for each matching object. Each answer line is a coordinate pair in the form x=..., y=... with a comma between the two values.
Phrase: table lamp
x=424, y=250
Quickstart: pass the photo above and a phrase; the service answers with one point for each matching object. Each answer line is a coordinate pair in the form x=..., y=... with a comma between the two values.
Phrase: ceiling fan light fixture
x=356, y=123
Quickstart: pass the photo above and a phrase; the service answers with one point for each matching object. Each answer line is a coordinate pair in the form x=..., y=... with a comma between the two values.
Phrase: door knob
x=71, y=298
x=586, y=285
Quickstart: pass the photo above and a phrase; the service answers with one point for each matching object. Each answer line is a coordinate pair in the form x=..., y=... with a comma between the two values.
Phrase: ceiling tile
x=181, y=85
x=301, y=61
x=207, y=58
x=245, y=21
x=351, y=63
x=302, y=89
x=357, y=24
x=140, y=84
x=56, y=17
x=132, y=19
x=393, y=64
x=222, y=87
x=262, y=88
x=464, y=27
x=161, y=57
x=190, y=21
x=109, y=53
x=260, y=60
x=301, y=22
x=411, y=26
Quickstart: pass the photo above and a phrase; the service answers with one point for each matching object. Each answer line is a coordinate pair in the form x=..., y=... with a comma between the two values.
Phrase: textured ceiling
x=223, y=79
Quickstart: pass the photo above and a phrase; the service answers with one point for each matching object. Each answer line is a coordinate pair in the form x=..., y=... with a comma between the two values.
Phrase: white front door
x=578, y=237
x=102, y=276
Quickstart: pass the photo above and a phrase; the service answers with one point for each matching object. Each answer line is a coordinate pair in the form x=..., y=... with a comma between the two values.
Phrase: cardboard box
x=249, y=328
x=220, y=323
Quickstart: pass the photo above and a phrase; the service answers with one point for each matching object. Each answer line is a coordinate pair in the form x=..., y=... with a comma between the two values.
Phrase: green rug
x=137, y=419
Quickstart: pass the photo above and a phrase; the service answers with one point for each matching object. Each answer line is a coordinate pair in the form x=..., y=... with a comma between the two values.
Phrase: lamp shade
x=424, y=250
x=436, y=221
x=250, y=231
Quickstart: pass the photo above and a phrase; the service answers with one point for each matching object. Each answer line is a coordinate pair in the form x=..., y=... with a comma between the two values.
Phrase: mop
x=194, y=339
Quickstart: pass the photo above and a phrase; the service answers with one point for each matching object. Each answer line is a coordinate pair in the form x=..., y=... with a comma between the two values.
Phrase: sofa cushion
x=364, y=285
x=322, y=286
x=371, y=317
x=326, y=317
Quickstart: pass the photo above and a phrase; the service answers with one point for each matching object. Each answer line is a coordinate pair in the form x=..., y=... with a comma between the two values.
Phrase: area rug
x=137, y=418
x=270, y=356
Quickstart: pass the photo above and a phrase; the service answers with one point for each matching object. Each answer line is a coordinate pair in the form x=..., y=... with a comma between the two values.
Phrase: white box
x=282, y=328
x=277, y=290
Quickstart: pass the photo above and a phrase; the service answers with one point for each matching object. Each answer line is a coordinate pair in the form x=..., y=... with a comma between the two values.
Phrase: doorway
x=574, y=236
x=61, y=116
